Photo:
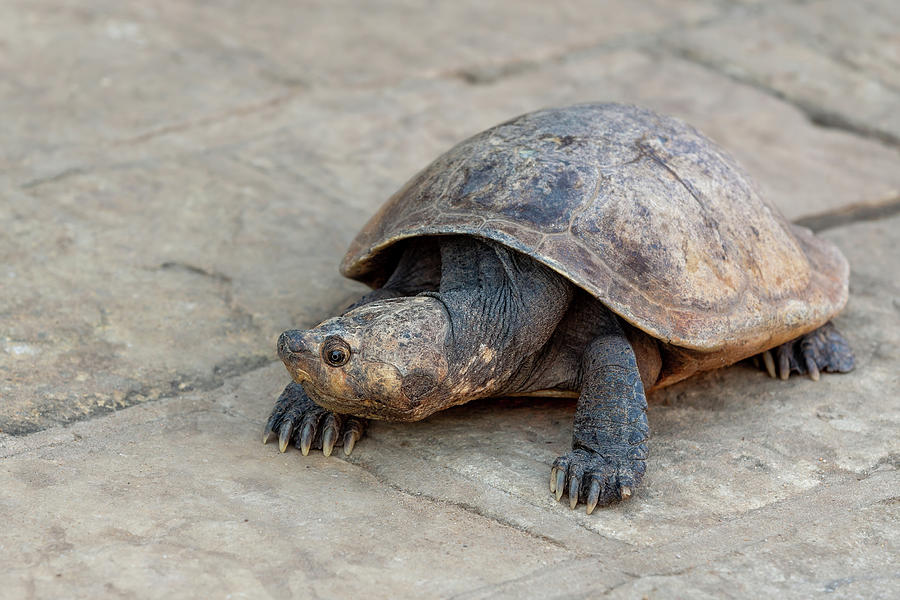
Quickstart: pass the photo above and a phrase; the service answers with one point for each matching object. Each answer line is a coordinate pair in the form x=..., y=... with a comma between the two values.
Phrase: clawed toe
x=785, y=355
x=268, y=435
x=284, y=435
x=350, y=441
x=824, y=349
x=812, y=369
x=593, y=496
x=593, y=479
x=307, y=434
x=770, y=363
x=558, y=482
x=298, y=419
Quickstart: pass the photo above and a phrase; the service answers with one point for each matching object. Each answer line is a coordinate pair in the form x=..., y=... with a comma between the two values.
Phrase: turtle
x=598, y=251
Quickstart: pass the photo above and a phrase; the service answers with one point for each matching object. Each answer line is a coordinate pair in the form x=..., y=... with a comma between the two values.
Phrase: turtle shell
x=641, y=210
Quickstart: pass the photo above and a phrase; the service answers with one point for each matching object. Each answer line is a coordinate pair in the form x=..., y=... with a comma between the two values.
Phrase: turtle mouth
x=362, y=408
x=299, y=375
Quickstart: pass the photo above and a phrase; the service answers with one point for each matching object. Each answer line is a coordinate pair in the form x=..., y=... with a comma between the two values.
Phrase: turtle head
x=383, y=360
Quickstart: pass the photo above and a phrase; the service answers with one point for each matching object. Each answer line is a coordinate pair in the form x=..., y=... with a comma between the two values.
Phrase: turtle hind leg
x=823, y=349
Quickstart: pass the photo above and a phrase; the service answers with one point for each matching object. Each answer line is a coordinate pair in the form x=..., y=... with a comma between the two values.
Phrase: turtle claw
x=560, y=483
x=349, y=442
x=353, y=431
x=770, y=363
x=784, y=361
x=328, y=439
x=284, y=435
x=306, y=437
x=812, y=368
x=574, y=484
x=268, y=435
x=329, y=433
x=611, y=478
x=298, y=419
x=593, y=496
x=824, y=349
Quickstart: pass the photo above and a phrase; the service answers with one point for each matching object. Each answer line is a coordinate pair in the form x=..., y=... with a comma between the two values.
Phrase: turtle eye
x=335, y=351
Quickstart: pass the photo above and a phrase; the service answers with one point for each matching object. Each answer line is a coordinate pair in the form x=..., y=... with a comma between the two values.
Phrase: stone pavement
x=178, y=181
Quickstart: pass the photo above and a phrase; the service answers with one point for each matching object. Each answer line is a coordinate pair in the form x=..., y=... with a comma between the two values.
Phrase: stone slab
x=112, y=74
x=178, y=499
x=839, y=60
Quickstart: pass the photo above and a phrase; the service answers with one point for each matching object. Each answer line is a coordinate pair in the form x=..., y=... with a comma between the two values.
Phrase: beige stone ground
x=178, y=181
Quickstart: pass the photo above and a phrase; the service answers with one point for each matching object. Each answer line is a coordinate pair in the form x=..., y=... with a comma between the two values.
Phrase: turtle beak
x=296, y=352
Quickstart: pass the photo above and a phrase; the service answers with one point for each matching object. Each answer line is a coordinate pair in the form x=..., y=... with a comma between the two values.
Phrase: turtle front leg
x=609, y=444
x=824, y=349
x=296, y=417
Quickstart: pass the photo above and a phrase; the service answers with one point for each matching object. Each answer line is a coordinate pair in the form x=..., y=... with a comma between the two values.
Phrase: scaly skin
x=609, y=443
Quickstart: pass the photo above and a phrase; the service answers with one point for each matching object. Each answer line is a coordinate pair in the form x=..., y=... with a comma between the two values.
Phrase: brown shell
x=640, y=210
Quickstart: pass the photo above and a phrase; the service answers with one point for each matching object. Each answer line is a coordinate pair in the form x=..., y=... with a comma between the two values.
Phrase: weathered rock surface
x=178, y=183
x=839, y=60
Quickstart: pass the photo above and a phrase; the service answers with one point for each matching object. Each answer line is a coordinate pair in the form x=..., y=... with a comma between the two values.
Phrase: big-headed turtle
x=597, y=251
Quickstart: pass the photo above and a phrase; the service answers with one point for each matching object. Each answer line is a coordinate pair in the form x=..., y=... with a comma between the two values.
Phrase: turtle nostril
x=290, y=342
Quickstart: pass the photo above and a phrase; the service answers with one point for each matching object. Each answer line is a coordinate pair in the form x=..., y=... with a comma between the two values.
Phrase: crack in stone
x=51, y=178
x=667, y=573
x=99, y=167
x=849, y=215
x=181, y=385
x=832, y=586
x=496, y=588
x=832, y=120
x=239, y=111
x=239, y=314
x=487, y=74
x=816, y=115
x=492, y=73
x=183, y=266
x=465, y=506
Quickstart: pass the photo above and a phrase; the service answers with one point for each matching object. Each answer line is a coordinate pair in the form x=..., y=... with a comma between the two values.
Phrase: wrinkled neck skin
x=502, y=308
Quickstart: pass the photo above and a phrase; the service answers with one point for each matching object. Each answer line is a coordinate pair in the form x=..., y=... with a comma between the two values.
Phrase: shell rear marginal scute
x=640, y=210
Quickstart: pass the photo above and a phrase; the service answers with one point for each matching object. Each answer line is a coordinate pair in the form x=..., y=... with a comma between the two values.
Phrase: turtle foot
x=298, y=419
x=593, y=479
x=824, y=349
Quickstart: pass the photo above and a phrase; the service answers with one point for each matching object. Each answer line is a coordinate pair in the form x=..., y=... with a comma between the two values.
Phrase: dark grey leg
x=824, y=349
x=609, y=444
